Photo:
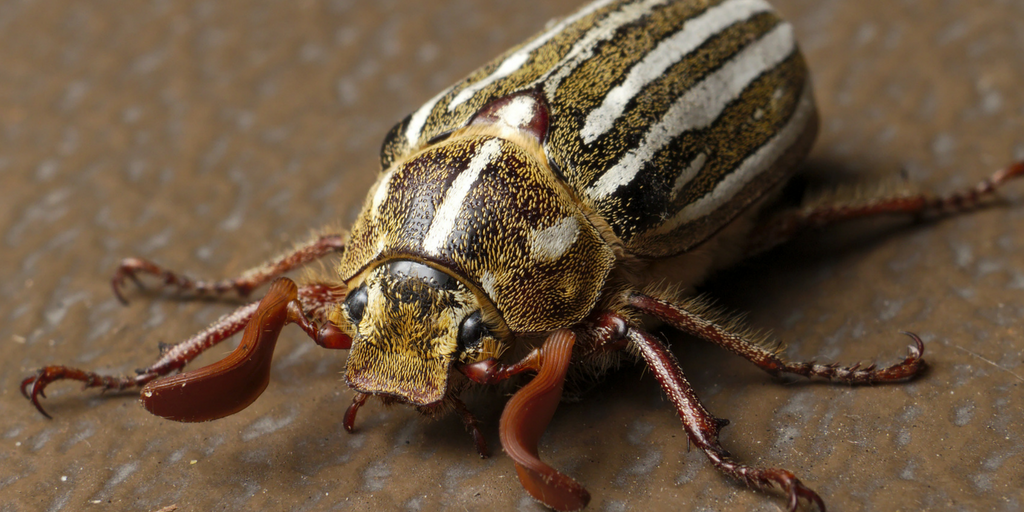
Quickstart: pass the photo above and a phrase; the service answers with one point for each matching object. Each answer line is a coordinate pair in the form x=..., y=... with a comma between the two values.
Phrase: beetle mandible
x=529, y=219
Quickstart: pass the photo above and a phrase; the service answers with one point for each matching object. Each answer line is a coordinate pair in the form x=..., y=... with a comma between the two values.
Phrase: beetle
x=525, y=219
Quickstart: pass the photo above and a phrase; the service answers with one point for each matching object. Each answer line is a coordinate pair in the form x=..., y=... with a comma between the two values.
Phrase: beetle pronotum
x=526, y=220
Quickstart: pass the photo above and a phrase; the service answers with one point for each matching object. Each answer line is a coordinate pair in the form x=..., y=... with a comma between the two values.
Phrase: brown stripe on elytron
x=590, y=161
x=394, y=147
x=442, y=120
x=750, y=121
x=591, y=81
x=762, y=174
x=745, y=125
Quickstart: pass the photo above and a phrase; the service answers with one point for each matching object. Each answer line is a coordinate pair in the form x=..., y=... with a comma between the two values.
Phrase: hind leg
x=787, y=224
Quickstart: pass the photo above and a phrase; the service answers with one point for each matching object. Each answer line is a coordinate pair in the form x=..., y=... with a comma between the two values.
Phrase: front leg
x=315, y=299
x=317, y=248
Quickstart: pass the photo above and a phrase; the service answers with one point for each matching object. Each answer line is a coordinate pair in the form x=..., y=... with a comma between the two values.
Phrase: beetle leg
x=473, y=426
x=787, y=224
x=490, y=371
x=703, y=428
x=315, y=299
x=350, y=413
x=526, y=416
x=768, y=360
x=130, y=268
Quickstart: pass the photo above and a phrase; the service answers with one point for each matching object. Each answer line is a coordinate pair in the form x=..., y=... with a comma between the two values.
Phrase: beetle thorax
x=488, y=210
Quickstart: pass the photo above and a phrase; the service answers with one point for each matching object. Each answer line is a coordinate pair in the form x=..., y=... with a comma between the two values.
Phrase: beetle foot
x=350, y=414
x=911, y=366
x=49, y=374
x=129, y=269
x=794, y=489
x=765, y=478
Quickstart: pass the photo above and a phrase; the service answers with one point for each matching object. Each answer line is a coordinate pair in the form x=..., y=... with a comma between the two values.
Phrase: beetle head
x=410, y=322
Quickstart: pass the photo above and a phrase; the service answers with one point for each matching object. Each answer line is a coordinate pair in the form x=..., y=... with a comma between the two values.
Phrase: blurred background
x=208, y=136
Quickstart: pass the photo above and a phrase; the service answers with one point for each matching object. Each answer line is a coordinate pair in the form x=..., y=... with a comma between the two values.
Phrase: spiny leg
x=703, y=428
x=768, y=360
x=315, y=299
x=787, y=224
x=251, y=279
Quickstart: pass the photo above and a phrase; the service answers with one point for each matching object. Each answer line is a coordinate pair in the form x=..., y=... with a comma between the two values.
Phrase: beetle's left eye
x=355, y=304
x=472, y=331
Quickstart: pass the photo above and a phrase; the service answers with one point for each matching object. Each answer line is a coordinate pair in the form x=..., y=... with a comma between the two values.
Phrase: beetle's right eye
x=355, y=304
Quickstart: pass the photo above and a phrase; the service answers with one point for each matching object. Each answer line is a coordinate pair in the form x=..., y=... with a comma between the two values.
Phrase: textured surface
x=209, y=135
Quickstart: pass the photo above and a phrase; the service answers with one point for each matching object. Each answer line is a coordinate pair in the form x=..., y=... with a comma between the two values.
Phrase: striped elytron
x=525, y=220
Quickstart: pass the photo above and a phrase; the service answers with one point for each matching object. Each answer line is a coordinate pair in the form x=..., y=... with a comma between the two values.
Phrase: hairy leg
x=767, y=359
x=317, y=248
x=315, y=300
x=703, y=428
x=785, y=225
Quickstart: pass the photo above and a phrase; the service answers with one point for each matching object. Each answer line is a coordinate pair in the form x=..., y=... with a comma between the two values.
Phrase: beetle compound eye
x=472, y=331
x=355, y=304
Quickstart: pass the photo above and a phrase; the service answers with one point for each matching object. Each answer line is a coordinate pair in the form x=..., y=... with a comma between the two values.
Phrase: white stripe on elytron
x=517, y=59
x=750, y=168
x=696, y=165
x=699, y=106
x=444, y=218
x=507, y=67
x=669, y=51
x=583, y=49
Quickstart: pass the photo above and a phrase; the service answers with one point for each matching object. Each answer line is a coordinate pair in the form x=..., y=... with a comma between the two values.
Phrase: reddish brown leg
x=243, y=285
x=315, y=300
x=784, y=226
x=350, y=414
x=490, y=371
x=703, y=428
x=473, y=426
x=768, y=360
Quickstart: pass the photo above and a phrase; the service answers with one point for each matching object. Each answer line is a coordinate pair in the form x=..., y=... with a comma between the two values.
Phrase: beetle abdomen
x=667, y=118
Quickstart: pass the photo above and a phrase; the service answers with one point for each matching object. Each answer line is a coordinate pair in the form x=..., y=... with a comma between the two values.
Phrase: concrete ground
x=209, y=135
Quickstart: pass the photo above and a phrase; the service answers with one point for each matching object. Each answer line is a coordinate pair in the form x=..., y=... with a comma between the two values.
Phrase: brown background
x=208, y=135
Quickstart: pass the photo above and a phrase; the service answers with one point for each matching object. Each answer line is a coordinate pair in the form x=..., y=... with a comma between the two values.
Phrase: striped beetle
x=525, y=218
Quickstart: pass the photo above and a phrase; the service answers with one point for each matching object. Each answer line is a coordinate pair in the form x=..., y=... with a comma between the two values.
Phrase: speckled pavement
x=210, y=135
